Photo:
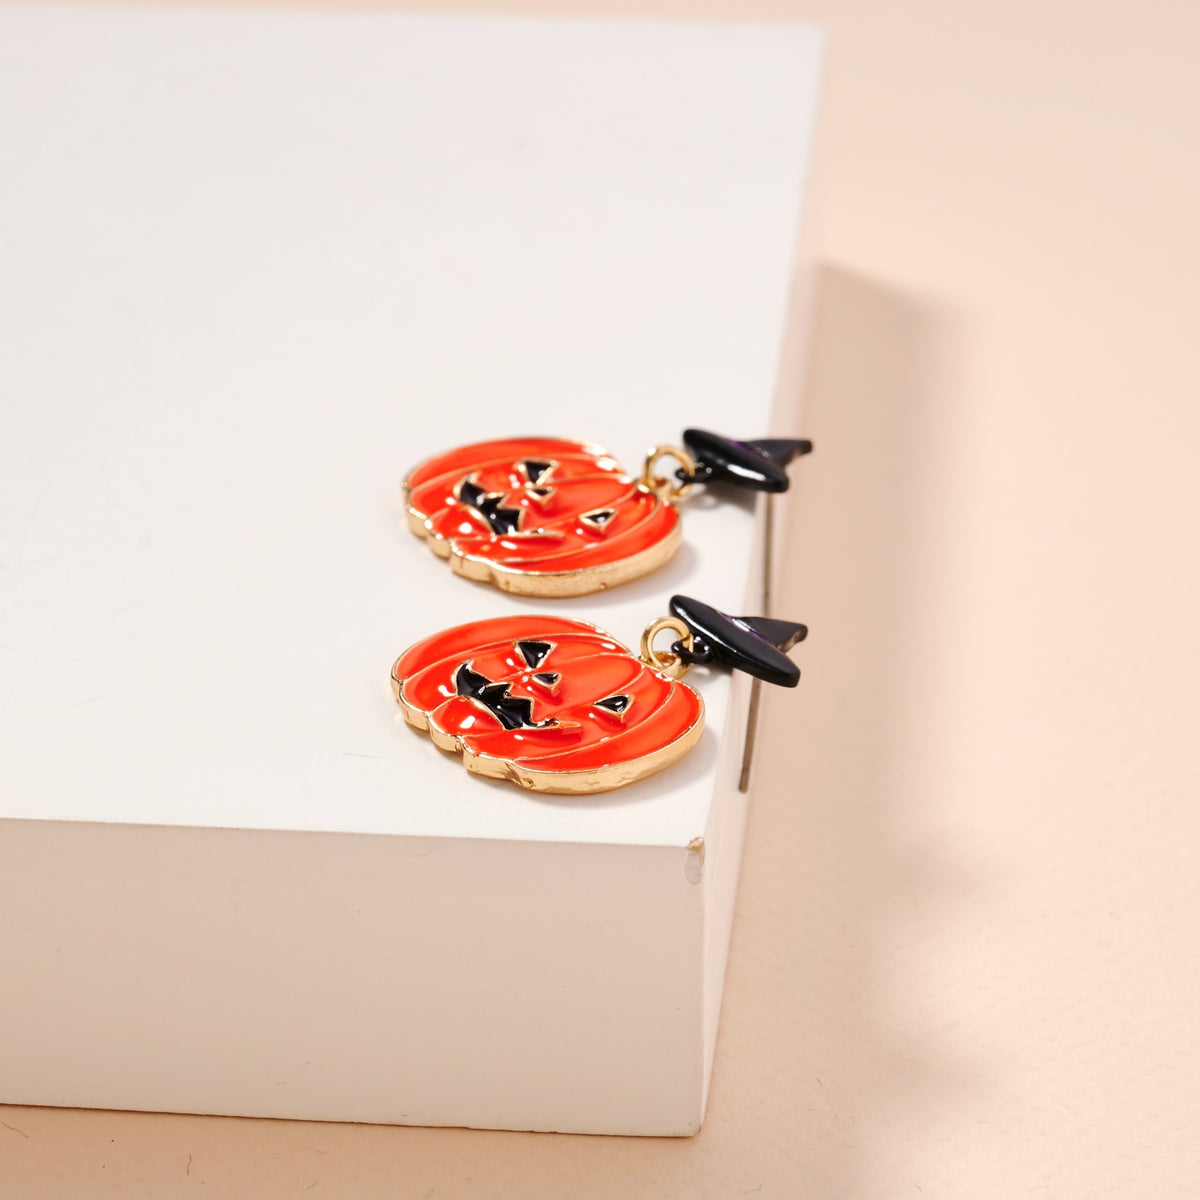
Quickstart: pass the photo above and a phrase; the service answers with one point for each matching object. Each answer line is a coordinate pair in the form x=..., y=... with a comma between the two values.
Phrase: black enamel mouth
x=513, y=712
x=500, y=520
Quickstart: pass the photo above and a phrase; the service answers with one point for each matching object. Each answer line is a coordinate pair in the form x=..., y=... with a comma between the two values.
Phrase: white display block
x=253, y=266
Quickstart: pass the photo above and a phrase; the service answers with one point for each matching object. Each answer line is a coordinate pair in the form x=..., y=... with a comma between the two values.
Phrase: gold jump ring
x=671, y=492
x=668, y=663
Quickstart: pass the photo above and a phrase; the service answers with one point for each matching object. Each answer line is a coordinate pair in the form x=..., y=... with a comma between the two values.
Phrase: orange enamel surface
x=460, y=715
x=675, y=709
x=432, y=686
x=642, y=523
x=505, y=476
x=590, y=666
x=457, y=522
x=505, y=450
x=462, y=639
x=558, y=511
x=551, y=535
x=660, y=711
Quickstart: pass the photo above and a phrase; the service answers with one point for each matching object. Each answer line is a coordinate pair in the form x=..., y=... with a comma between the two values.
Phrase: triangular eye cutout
x=535, y=468
x=549, y=678
x=599, y=517
x=469, y=492
x=614, y=704
x=534, y=652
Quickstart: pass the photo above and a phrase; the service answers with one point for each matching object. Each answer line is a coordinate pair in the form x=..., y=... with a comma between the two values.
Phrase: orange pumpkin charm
x=546, y=516
x=549, y=703
x=557, y=705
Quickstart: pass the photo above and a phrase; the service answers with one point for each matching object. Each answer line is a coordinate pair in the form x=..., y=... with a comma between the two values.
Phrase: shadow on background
x=835, y=883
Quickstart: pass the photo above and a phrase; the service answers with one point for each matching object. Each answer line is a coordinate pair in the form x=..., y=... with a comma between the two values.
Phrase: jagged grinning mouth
x=500, y=520
x=513, y=712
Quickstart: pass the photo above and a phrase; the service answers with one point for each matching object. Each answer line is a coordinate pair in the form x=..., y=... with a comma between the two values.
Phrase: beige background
x=967, y=953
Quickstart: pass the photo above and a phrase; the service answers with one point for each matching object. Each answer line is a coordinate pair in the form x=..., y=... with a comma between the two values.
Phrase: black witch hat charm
x=756, y=645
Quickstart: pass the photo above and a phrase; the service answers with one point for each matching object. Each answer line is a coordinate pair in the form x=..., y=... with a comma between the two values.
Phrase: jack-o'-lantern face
x=540, y=516
x=551, y=704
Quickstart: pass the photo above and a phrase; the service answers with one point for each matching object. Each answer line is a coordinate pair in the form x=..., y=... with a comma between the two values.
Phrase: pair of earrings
x=551, y=703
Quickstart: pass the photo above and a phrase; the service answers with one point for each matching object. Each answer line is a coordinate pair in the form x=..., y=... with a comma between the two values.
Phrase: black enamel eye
x=599, y=517
x=469, y=492
x=534, y=652
x=535, y=468
x=614, y=704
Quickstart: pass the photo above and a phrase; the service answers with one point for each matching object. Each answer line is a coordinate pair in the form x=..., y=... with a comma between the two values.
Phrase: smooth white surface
x=499, y=984
x=252, y=267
